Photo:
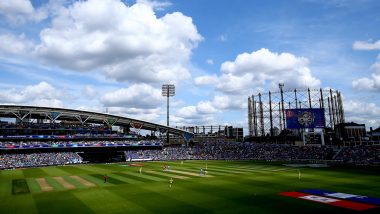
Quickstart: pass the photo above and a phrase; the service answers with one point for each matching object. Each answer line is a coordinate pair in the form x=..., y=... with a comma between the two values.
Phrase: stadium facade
x=74, y=127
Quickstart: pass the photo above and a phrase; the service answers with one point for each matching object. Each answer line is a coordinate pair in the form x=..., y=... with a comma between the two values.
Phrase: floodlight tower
x=281, y=86
x=168, y=90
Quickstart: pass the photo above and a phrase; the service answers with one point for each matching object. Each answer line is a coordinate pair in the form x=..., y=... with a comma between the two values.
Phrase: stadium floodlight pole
x=281, y=86
x=168, y=90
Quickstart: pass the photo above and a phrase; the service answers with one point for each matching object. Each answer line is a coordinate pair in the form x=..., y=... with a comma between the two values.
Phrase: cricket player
x=140, y=169
x=170, y=182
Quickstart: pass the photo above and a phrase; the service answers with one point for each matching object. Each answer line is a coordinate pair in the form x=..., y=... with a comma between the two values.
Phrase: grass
x=235, y=187
x=19, y=186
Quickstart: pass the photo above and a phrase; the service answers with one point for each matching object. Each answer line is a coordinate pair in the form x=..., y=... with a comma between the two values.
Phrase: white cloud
x=210, y=61
x=180, y=120
x=206, y=112
x=189, y=112
x=258, y=69
x=196, y=112
x=48, y=103
x=206, y=108
x=42, y=94
x=369, y=84
x=151, y=115
x=126, y=43
x=90, y=92
x=202, y=113
x=90, y=108
x=229, y=102
x=20, y=11
x=362, y=112
x=206, y=80
x=136, y=96
x=16, y=45
x=367, y=46
x=157, y=5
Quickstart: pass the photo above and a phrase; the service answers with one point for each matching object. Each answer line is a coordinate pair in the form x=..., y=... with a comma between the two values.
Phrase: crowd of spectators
x=212, y=151
x=235, y=151
x=38, y=144
x=169, y=153
x=359, y=154
x=38, y=159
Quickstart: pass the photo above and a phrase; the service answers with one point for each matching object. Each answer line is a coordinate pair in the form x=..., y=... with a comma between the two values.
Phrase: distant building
x=235, y=133
x=375, y=134
x=214, y=133
x=350, y=131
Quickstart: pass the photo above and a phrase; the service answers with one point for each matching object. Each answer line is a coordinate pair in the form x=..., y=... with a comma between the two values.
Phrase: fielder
x=170, y=183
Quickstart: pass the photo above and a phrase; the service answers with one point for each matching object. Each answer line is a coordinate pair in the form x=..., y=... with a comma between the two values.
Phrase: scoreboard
x=305, y=118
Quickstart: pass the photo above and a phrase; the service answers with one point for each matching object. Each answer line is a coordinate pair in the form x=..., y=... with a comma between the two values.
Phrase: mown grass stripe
x=15, y=204
x=133, y=176
x=144, y=175
x=210, y=172
x=202, y=199
x=175, y=173
x=34, y=187
x=111, y=179
x=164, y=177
x=231, y=169
x=167, y=174
x=97, y=169
x=64, y=202
x=75, y=170
x=5, y=188
x=34, y=173
x=191, y=173
x=255, y=169
x=224, y=170
x=12, y=174
x=270, y=168
x=55, y=171
x=104, y=201
x=158, y=201
x=121, y=179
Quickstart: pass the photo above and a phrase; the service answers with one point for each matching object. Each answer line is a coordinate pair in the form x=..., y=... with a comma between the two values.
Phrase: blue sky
x=116, y=54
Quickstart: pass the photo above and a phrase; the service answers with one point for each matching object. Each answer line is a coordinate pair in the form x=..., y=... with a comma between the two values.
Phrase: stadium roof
x=62, y=114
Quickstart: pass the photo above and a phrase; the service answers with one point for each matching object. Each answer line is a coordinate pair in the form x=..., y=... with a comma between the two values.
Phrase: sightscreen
x=305, y=118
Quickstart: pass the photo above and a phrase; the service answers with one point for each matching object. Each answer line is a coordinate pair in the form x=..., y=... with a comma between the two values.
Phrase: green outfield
x=229, y=187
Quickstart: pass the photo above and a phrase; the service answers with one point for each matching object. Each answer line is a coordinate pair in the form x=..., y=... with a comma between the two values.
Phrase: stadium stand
x=235, y=151
x=38, y=159
x=360, y=154
x=30, y=144
x=367, y=155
